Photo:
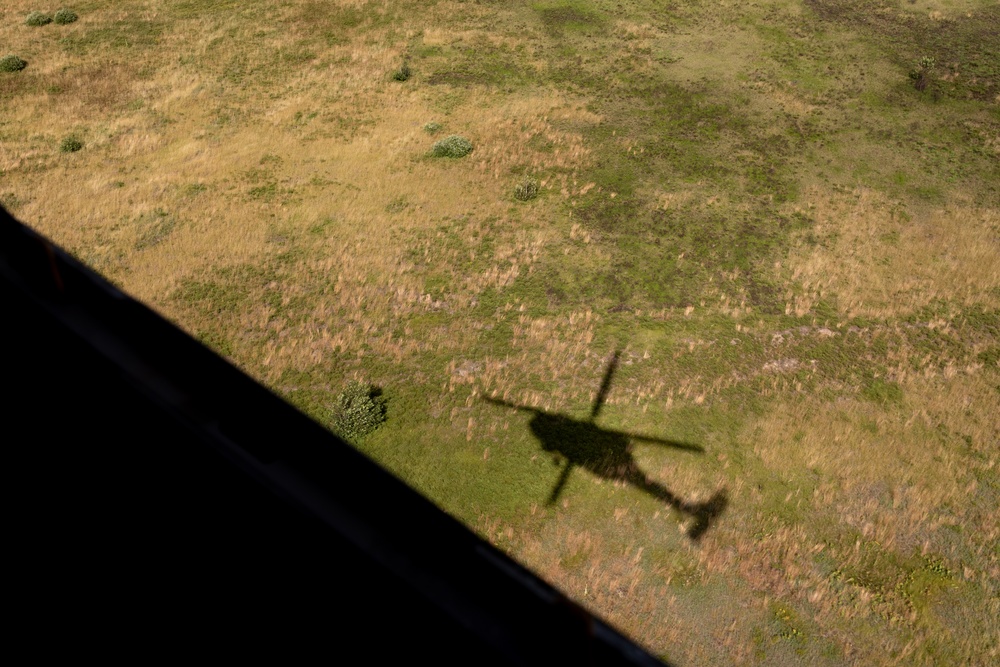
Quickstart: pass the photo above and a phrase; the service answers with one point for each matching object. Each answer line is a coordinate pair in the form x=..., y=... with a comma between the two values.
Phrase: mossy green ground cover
x=794, y=250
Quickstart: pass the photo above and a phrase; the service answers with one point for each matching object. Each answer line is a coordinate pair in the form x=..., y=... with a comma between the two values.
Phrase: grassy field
x=784, y=214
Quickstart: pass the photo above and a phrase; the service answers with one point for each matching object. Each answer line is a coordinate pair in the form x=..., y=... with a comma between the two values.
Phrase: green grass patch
x=479, y=63
x=883, y=392
x=228, y=292
x=561, y=16
x=122, y=35
x=153, y=228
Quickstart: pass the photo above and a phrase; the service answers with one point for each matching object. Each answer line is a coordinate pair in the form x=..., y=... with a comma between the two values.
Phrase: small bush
x=65, y=16
x=921, y=76
x=432, y=127
x=12, y=64
x=402, y=74
x=453, y=146
x=37, y=19
x=70, y=144
x=526, y=190
x=360, y=410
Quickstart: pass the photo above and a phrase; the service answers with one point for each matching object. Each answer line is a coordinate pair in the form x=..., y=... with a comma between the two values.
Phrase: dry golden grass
x=387, y=165
x=784, y=96
x=856, y=447
x=876, y=261
x=175, y=137
x=869, y=477
x=944, y=9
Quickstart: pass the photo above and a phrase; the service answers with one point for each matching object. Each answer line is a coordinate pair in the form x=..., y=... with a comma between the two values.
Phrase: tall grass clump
x=12, y=63
x=403, y=73
x=360, y=409
x=65, y=16
x=37, y=19
x=453, y=146
x=526, y=190
x=921, y=74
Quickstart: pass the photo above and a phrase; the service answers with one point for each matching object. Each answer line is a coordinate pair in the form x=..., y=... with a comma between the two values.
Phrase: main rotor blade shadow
x=676, y=444
x=508, y=404
x=602, y=393
x=560, y=483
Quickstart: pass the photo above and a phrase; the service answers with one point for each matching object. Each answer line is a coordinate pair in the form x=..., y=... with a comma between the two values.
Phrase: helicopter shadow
x=607, y=453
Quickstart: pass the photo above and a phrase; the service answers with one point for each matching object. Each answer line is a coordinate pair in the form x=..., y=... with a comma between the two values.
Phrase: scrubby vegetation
x=526, y=190
x=65, y=16
x=36, y=19
x=359, y=410
x=70, y=144
x=923, y=73
x=452, y=146
x=784, y=215
x=403, y=73
x=12, y=63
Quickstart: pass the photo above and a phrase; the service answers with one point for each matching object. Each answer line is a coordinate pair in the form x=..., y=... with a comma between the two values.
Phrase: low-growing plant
x=526, y=190
x=65, y=16
x=922, y=73
x=403, y=73
x=360, y=409
x=12, y=63
x=37, y=19
x=70, y=144
x=452, y=146
x=432, y=127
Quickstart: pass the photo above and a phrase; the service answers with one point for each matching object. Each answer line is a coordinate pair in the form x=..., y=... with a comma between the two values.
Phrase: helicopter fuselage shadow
x=608, y=455
x=604, y=453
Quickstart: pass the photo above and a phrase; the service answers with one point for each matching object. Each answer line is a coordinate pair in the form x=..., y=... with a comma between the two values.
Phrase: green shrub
x=921, y=76
x=70, y=144
x=360, y=409
x=453, y=146
x=402, y=74
x=37, y=19
x=526, y=190
x=12, y=64
x=64, y=16
x=432, y=127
